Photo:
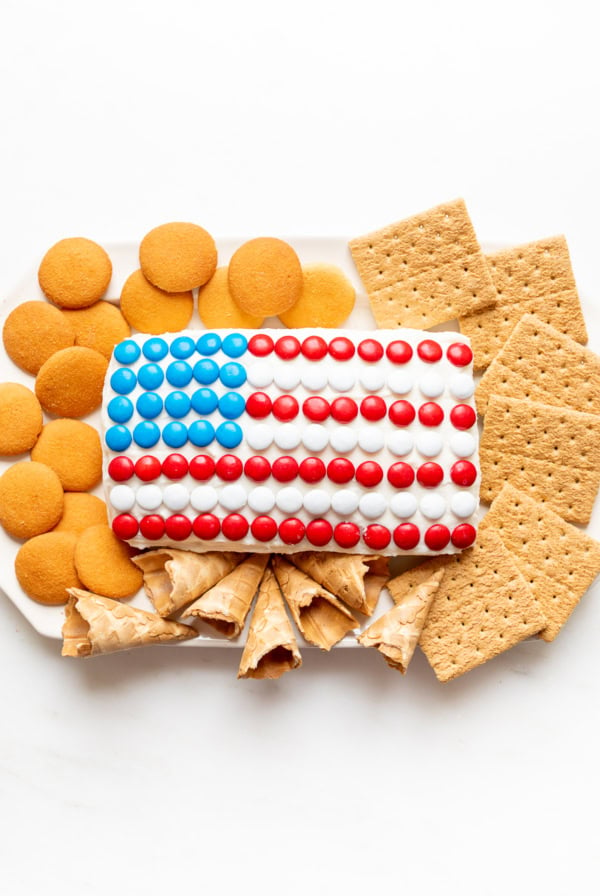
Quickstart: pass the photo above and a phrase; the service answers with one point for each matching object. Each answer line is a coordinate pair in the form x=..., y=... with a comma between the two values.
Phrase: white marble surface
x=151, y=772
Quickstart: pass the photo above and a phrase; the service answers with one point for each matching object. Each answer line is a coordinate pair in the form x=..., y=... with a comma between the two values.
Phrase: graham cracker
x=536, y=277
x=483, y=606
x=559, y=561
x=425, y=270
x=550, y=453
x=541, y=363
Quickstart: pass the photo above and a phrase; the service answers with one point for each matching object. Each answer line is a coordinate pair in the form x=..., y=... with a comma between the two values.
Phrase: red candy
x=285, y=408
x=258, y=405
x=285, y=469
x=430, y=474
x=229, y=467
x=429, y=351
x=462, y=416
x=430, y=414
x=402, y=413
x=264, y=528
x=202, y=467
x=291, y=531
x=377, y=537
x=206, y=526
x=340, y=470
x=373, y=407
x=260, y=345
x=401, y=475
x=344, y=410
x=370, y=350
x=341, y=348
x=437, y=537
x=406, y=536
x=287, y=347
x=175, y=466
x=319, y=532
x=152, y=527
x=369, y=473
x=235, y=526
x=399, y=352
x=257, y=468
x=120, y=469
x=178, y=527
x=314, y=348
x=459, y=354
x=125, y=526
x=316, y=409
x=312, y=469
x=346, y=534
x=463, y=472
x=463, y=535
x=147, y=468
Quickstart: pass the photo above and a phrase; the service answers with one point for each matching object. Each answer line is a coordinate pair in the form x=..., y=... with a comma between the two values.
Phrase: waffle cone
x=321, y=618
x=226, y=605
x=271, y=647
x=396, y=634
x=347, y=576
x=174, y=578
x=95, y=625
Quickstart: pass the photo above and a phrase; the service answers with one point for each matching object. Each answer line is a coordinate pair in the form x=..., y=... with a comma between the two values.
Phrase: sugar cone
x=396, y=634
x=271, y=648
x=174, y=578
x=225, y=605
x=95, y=625
x=321, y=618
x=345, y=575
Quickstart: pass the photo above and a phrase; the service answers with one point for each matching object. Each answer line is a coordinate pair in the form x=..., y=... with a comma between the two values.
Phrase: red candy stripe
x=125, y=526
x=437, y=537
x=462, y=416
x=377, y=537
x=257, y=468
x=373, y=407
x=202, y=467
x=152, y=527
x=406, y=536
x=430, y=414
x=316, y=408
x=120, y=469
x=312, y=469
x=429, y=350
x=285, y=469
x=235, y=526
x=206, y=526
x=264, y=528
x=178, y=527
x=399, y=352
x=341, y=348
x=401, y=475
x=287, y=347
x=346, y=534
x=258, y=405
x=459, y=354
x=369, y=473
x=285, y=408
x=314, y=348
x=340, y=470
x=260, y=345
x=291, y=531
x=344, y=410
x=430, y=474
x=147, y=468
x=463, y=535
x=370, y=350
x=463, y=472
x=229, y=467
x=402, y=413
x=319, y=532
x=175, y=466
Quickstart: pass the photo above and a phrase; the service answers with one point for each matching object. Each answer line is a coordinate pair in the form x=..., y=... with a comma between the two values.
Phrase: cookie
x=20, y=419
x=217, y=308
x=72, y=449
x=103, y=563
x=99, y=327
x=31, y=499
x=75, y=273
x=33, y=332
x=177, y=257
x=81, y=511
x=45, y=567
x=265, y=277
x=326, y=300
x=151, y=310
x=70, y=383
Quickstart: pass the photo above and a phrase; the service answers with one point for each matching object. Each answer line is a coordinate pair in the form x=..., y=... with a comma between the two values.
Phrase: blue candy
x=123, y=381
x=177, y=404
x=149, y=405
x=175, y=435
x=235, y=345
x=206, y=372
x=232, y=375
x=118, y=438
x=127, y=352
x=208, y=344
x=183, y=347
x=201, y=433
x=179, y=373
x=229, y=435
x=150, y=376
x=120, y=409
x=146, y=434
x=204, y=401
x=155, y=349
x=231, y=405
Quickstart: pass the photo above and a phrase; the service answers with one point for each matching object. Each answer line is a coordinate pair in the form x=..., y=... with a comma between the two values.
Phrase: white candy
x=315, y=437
x=431, y=385
x=287, y=436
x=289, y=499
x=400, y=442
x=400, y=382
x=345, y=502
x=122, y=497
x=372, y=379
x=372, y=505
x=403, y=505
x=176, y=497
x=429, y=444
x=287, y=377
x=259, y=436
x=461, y=386
x=317, y=501
x=204, y=498
x=233, y=497
x=463, y=504
x=462, y=444
x=260, y=374
x=314, y=378
x=149, y=497
x=432, y=506
x=261, y=499
x=370, y=439
x=341, y=378
x=343, y=439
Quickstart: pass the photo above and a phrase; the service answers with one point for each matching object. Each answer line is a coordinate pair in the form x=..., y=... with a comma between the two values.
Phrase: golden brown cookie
x=81, y=511
x=151, y=310
x=45, y=567
x=103, y=563
x=326, y=300
x=178, y=256
x=73, y=450
x=265, y=277
x=31, y=499
x=70, y=383
x=217, y=308
x=100, y=327
x=75, y=273
x=20, y=419
x=33, y=332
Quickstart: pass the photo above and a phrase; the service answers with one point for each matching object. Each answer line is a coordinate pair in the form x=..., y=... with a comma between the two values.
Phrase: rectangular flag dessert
x=293, y=440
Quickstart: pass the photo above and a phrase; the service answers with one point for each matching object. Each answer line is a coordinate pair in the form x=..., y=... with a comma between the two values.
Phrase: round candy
x=175, y=466
x=231, y=405
x=229, y=467
x=431, y=385
x=343, y=439
x=372, y=379
x=289, y=499
x=340, y=470
x=341, y=348
x=463, y=535
x=345, y=501
x=315, y=378
x=123, y=381
x=430, y=474
x=314, y=348
x=182, y=347
x=315, y=409
x=285, y=408
x=155, y=349
x=206, y=526
x=399, y=352
x=373, y=408
x=204, y=401
x=369, y=473
x=233, y=497
x=429, y=350
x=260, y=374
x=203, y=498
x=208, y=344
x=377, y=537
x=149, y=497
x=206, y=371
x=370, y=350
x=176, y=497
x=463, y=504
x=122, y=497
x=229, y=435
x=401, y=413
x=264, y=528
x=127, y=352
x=344, y=410
x=201, y=433
x=125, y=526
x=149, y=405
x=150, y=376
x=287, y=378
x=316, y=501
x=148, y=468
x=341, y=379
x=437, y=537
x=287, y=347
x=401, y=475
x=285, y=469
x=430, y=414
x=406, y=536
x=120, y=409
x=234, y=345
x=175, y=435
x=400, y=443
x=202, y=467
x=258, y=405
x=432, y=506
x=146, y=434
x=120, y=469
x=261, y=499
x=315, y=437
x=319, y=532
x=400, y=382
x=461, y=386
x=462, y=444
x=372, y=505
x=291, y=531
x=429, y=444
x=346, y=535
x=235, y=526
x=179, y=373
x=370, y=439
x=463, y=416
x=459, y=354
x=287, y=436
x=463, y=473
x=178, y=527
x=260, y=345
x=177, y=404
x=259, y=436
x=232, y=375
x=257, y=468
x=403, y=505
x=312, y=469
x=152, y=527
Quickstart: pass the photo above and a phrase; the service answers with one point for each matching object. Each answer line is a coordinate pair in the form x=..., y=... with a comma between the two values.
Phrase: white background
x=158, y=771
